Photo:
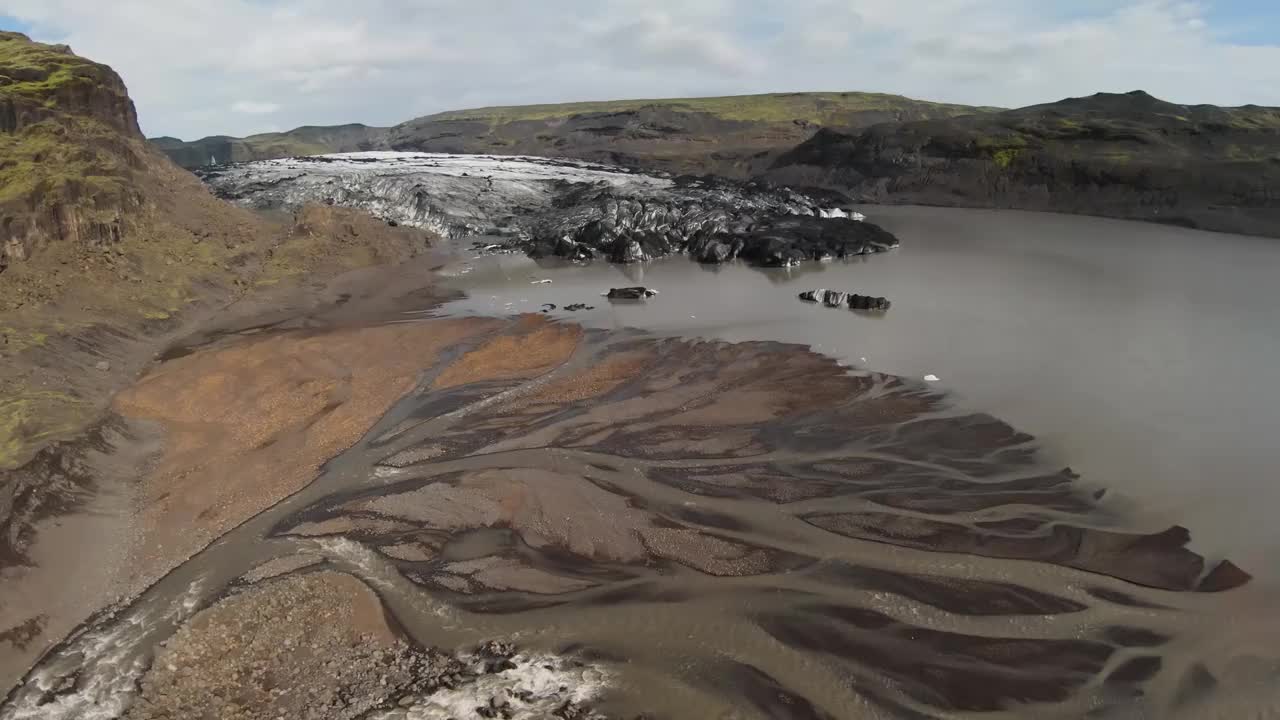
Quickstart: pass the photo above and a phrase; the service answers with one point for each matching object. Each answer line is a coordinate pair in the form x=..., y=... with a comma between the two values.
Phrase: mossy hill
x=725, y=135
x=1125, y=155
x=106, y=247
x=310, y=140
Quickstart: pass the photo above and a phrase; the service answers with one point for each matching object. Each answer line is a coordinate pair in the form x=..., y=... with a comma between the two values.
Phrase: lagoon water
x=1145, y=357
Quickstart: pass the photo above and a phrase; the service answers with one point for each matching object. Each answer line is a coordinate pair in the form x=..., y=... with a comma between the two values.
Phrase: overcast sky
x=201, y=67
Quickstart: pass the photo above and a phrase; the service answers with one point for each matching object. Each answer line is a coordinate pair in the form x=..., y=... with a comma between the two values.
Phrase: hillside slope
x=106, y=245
x=725, y=135
x=307, y=140
x=1118, y=155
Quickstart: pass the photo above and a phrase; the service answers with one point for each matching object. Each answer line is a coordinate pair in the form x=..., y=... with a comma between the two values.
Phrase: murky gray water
x=1143, y=356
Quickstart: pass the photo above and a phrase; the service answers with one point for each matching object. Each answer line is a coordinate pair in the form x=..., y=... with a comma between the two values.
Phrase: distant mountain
x=726, y=135
x=309, y=140
x=1119, y=155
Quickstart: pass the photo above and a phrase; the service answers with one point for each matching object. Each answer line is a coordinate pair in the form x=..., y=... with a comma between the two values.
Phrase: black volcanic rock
x=835, y=298
x=788, y=240
x=1118, y=155
x=631, y=293
x=713, y=219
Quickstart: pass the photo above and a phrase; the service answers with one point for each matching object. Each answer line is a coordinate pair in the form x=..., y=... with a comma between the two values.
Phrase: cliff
x=69, y=144
x=107, y=248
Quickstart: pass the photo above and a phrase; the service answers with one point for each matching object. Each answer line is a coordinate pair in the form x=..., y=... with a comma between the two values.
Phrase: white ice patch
x=537, y=686
x=480, y=168
x=841, y=213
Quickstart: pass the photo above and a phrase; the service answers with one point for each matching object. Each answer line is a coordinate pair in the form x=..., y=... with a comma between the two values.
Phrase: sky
x=235, y=67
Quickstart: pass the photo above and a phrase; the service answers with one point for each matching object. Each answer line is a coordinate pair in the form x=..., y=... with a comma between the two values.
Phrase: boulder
x=631, y=293
x=834, y=298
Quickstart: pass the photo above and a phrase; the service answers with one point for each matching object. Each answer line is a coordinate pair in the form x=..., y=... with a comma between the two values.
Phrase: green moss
x=47, y=160
x=821, y=108
x=1117, y=157
x=36, y=72
x=27, y=419
x=1004, y=158
x=16, y=340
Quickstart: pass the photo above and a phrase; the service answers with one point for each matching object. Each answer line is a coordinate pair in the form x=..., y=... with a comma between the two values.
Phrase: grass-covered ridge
x=535, y=129
x=306, y=140
x=819, y=108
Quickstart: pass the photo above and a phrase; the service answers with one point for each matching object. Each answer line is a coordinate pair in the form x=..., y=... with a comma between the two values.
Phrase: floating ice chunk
x=931, y=378
x=544, y=281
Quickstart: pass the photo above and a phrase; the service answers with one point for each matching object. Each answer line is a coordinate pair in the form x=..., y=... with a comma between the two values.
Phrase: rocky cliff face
x=41, y=82
x=1128, y=156
x=105, y=245
x=69, y=144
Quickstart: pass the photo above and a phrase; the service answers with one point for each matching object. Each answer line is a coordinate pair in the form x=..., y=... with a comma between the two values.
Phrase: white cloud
x=249, y=107
x=191, y=64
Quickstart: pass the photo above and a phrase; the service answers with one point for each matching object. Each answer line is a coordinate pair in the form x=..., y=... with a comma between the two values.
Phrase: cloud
x=191, y=64
x=249, y=107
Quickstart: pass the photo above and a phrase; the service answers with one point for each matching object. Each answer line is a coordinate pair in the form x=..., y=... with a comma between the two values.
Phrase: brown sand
x=536, y=347
x=592, y=381
x=250, y=424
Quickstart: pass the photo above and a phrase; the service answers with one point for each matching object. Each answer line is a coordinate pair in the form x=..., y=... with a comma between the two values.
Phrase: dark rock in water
x=548, y=307
x=579, y=306
x=834, y=298
x=631, y=293
x=788, y=240
x=1226, y=576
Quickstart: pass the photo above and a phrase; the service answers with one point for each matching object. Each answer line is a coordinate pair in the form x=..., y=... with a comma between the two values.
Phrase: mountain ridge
x=1123, y=155
x=733, y=135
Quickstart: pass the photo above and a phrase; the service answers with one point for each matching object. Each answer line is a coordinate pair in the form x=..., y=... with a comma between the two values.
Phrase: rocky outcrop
x=39, y=82
x=854, y=301
x=1127, y=156
x=574, y=210
x=630, y=293
x=69, y=144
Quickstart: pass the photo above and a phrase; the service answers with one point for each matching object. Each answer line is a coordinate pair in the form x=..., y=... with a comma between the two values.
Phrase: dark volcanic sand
x=710, y=529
